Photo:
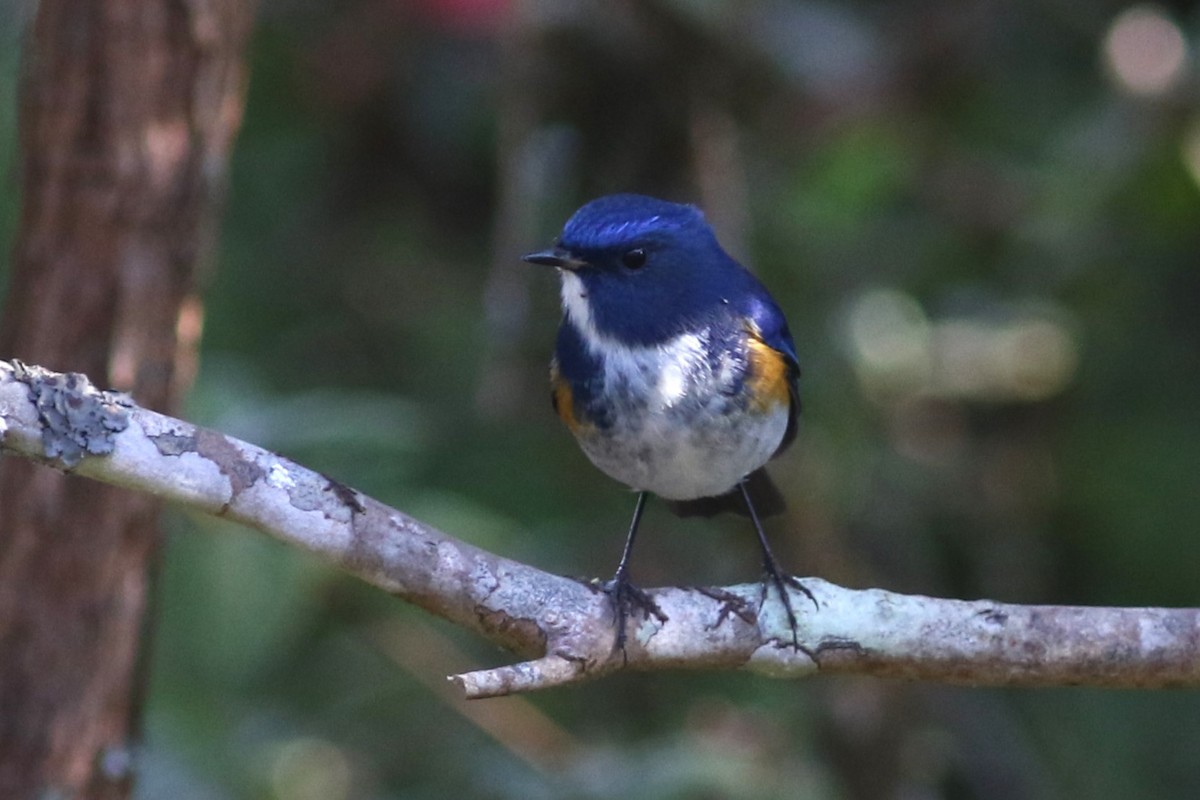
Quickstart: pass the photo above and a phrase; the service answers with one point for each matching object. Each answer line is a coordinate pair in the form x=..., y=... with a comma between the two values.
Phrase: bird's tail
x=764, y=494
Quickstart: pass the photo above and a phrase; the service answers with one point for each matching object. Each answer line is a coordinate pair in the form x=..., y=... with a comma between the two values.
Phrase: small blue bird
x=674, y=369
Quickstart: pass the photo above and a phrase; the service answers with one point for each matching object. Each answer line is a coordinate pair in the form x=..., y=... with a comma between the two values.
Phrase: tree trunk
x=128, y=111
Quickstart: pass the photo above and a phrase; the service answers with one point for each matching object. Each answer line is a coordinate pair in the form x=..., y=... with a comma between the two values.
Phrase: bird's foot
x=627, y=599
x=781, y=581
x=731, y=604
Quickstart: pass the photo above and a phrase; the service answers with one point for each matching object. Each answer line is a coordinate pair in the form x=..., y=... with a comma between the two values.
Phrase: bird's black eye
x=634, y=259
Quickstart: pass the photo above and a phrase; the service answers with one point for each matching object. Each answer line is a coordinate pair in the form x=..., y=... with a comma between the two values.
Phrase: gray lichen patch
x=172, y=443
x=76, y=417
x=316, y=492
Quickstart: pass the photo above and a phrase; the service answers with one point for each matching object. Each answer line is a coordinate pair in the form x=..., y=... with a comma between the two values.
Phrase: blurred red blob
x=467, y=17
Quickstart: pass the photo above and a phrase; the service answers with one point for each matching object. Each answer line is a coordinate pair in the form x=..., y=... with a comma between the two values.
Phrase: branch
x=563, y=626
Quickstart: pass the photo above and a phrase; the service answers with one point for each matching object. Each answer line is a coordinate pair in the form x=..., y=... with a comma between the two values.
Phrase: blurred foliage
x=983, y=221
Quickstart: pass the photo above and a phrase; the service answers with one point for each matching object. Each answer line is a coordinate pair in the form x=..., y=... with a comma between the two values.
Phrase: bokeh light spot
x=1191, y=150
x=1144, y=51
x=1023, y=356
x=888, y=336
x=310, y=769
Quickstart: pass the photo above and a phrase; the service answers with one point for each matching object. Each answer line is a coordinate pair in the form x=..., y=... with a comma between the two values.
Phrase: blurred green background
x=983, y=221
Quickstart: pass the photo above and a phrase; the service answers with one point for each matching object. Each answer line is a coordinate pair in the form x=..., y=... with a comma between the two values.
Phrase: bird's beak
x=555, y=257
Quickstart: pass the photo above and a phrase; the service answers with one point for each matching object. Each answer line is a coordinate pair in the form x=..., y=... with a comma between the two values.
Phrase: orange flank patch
x=768, y=378
x=563, y=399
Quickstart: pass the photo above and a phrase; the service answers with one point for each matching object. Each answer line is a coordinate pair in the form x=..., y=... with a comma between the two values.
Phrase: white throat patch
x=576, y=305
x=663, y=373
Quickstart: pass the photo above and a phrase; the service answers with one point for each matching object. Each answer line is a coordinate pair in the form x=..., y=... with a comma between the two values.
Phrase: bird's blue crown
x=621, y=220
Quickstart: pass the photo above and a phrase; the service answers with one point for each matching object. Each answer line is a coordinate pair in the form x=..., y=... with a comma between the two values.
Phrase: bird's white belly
x=679, y=424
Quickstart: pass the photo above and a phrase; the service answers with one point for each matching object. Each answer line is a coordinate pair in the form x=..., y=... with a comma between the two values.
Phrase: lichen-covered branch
x=564, y=626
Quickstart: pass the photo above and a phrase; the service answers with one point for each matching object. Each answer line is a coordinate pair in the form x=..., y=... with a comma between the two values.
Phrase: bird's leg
x=624, y=595
x=777, y=576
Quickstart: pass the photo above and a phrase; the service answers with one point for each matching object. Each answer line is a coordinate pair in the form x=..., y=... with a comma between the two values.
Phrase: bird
x=675, y=371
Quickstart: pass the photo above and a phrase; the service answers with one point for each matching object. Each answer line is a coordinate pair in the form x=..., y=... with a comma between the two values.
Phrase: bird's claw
x=731, y=604
x=627, y=598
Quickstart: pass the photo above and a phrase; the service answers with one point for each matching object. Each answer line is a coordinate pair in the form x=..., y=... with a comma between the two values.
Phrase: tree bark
x=565, y=627
x=128, y=111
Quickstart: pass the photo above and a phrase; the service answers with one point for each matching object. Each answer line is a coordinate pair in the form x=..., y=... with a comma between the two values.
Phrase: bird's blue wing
x=768, y=325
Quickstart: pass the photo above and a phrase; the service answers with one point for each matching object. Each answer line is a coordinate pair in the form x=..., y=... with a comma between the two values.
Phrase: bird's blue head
x=641, y=270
